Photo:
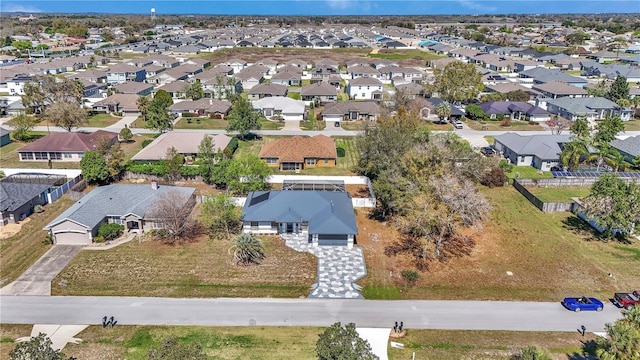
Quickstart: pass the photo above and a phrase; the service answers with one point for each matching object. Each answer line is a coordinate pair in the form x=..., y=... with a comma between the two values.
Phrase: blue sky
x=324, y=7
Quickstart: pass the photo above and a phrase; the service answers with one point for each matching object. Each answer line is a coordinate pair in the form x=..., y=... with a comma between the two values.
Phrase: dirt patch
x=357, y=191
x=9, y=230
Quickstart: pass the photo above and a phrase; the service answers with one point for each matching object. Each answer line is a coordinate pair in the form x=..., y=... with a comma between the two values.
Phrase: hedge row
x=231, y=148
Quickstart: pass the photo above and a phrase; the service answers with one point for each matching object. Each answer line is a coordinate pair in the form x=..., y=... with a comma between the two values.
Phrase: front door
x=289, y=228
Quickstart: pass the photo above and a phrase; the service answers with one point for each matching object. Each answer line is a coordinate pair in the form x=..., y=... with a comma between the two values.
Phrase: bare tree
x=172, y=210
x=67, y=115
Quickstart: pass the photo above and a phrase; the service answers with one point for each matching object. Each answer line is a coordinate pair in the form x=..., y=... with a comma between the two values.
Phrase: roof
x=582, y=105
x=508, y=107
x=115, y=200
x=4, y=131
x=184, y=142
x=630, y=145
x=68, y=141
x=285, y=104
x=318, y=89
x=127, y=102
x=365, y=81
x=327, y=212
x=208, y=105
x=132, y=87
x=345, y=107
x=14, y=195
x=268, y=88
x=297, y=148
x=560, y=88
x=546, y=147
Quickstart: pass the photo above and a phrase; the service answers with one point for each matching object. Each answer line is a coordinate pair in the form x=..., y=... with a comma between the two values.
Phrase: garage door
x=332, y=240
x=72, y=238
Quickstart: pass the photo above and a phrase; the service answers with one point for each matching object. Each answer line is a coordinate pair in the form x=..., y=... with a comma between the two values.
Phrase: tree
x=173, y=161
x=172, y=210
x=243, y=118
x=22, y=124
x=220, y=215
x=532, y=353
x=607, y=129
x=37, y=348
x=193, y=91
x=172, y=349
x=619, y=89
x=577, y=38
x=344, y=343
x=612, y=203
x=94, y=167
x=143, y=103
x=115, y=161
x=474, y=112
x=247, y=250
x=443, y=110
x=157, y=116
x=623, y=342
x=207, y=159
x=162, y=100
x=42, y=91
x=247, y=173
x=66, y=115
x=125, y=134
x=517, y=95
x=580, y=129
x=457, y=82
x=600, y=90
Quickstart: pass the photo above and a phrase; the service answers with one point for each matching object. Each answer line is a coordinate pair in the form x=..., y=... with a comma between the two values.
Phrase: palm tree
x=143, y=103
x=443, y=110
x=623, y=342
x=247, y=250
x=532, y=353
x=614, y=159
x=572, y=153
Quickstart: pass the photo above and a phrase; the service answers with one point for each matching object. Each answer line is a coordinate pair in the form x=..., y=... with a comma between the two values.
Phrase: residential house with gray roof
x=267, y=90
x=351, y=111
x=515, y=110
x=539, y=151
x=324, y=217
x=129, y=205
x=593, y=108
x=280, y=106
x=319, y=92
x=629, y=148
x=18, y=200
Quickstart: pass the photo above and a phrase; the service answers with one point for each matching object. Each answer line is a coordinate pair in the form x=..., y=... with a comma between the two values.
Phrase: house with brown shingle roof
x=185, y=143
x=124, y=103
x=266, y=90
x=321, y=92
x=64, y=146
x=132, y=87
x=202, y=107
x=298, y=152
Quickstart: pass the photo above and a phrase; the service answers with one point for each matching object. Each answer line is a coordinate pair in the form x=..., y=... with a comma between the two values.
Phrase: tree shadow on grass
x=588, y=351
x=583, y=229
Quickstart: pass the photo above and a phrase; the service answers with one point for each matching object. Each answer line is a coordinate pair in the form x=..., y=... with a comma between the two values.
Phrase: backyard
x=559, y=194
x=9, y=157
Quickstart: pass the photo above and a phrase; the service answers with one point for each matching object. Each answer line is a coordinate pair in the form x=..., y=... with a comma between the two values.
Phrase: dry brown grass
x=8, y=334
x=20, y=251
x=550, y=258
x=200, y=269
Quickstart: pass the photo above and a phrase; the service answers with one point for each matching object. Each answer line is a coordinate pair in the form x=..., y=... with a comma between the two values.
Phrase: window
x=326, y=161
x=55, y=156
x=41, y=156
x=80, y=155
x=310, y=161
x=26, y=156
x=156, y=225
x=363, y=95
x=254, y=224
x=67, y=155
x=272, y=160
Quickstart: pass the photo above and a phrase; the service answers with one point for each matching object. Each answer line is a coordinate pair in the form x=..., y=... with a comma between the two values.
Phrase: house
x=593, y=108
x=286, y=78
x=556, y=89
x=629, y=148
x=185, y=143
x=5, y=137
x=249, y=79
x=351, y=111
x=128, y=205
x=122, y=73
x=297, y=152
x=285, y=107
x=539, y=151
x=64, y=146
x=515, y=110
x=365, y=88
x=18, y=200
x=131, y=87
x=127, y=104
x=319, y=92
x=202, y=107
x=267, y=90
x=541, y=75
x=324, y=217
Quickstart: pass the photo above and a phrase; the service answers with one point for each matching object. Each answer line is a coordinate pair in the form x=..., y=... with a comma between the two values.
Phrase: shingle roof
x=630, y=145
x=68, y=141
x=268, y=88
x=327, y=212
x=559, y=88
x=3, y=131
x=318, y=89
x=14, y=195
x=184, y=142
x=543, y=146
x=365, y=81
x=297, y=148
x=582, y=105
x=115, y=200
x=344, y=107
x=285, y=104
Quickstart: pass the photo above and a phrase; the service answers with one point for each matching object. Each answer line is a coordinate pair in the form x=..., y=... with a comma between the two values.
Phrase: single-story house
x=287, y=108
x=515, y=110
x=128, y=205
x=629, y=148
x=267, y=90
x=132, y=87
x=351, y=111
x=320, y=92
x=540, y=151
x=185, y=143
x=17, y=200
x=324, y=217
x=298, y=152
x=202, y=107
x=64, y=146
x=5, y=137
x=127, y=104
x=593, y=108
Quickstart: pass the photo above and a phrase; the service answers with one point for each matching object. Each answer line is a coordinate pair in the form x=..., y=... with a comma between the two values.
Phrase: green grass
x=270, y=125
x=9, y=157
x=405, y=54
x=102, y=120
x=497, y=126
x=490, y=139
x=633, y=125
x=527, y=172
x=294, y=95
x=349, y=161
x=352, y=125
x=559, y=194
x=138, y=123
x=201, y=123
x=313, y=123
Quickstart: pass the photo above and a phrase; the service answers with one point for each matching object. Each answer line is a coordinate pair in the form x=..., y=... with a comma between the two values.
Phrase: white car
x=458, y=125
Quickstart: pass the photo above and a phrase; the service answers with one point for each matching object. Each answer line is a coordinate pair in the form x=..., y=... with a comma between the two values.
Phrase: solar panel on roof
x=258, y=199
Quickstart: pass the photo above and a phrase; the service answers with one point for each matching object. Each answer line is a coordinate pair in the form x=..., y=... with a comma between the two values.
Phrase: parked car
x=582, y=303
x=488, y=151
x=627, y=300
x=458, y=124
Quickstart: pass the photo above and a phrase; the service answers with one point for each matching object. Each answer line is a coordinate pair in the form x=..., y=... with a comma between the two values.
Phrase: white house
x=286, y=107
x=365, y=88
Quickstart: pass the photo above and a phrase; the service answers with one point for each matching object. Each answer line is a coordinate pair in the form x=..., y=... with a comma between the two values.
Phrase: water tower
x=153, y=14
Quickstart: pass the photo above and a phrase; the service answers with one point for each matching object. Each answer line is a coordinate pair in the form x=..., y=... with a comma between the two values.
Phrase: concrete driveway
x=37, y=279
x=291, y=125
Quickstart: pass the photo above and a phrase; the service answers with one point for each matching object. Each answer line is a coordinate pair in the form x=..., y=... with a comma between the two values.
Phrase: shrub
x=38, y=209
x=506, y=122
x=98, y=239
x=48, y=240
x=231, y=148
x=189, y=171
x=110, y=231
x=158, y=169
x=505, y=166
x=410, y=276
x=340, y=151
x=146, y=142
x=494, y=177
x=188, y=115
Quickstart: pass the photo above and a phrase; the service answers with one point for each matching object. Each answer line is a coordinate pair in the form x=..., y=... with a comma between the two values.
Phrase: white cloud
x=10, y=7
x=469, y=4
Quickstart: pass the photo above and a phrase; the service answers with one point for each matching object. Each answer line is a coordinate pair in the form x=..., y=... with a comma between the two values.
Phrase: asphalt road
x=460, y=315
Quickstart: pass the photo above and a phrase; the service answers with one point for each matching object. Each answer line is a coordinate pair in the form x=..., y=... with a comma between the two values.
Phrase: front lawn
x=102, y=120
x=396, y=54
x=633, y=125
x=352, y=125
x=522, y=254
x=497, y=126
x=350, y=158
x=200, y=123
x=270, y=125
x=200, y=269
